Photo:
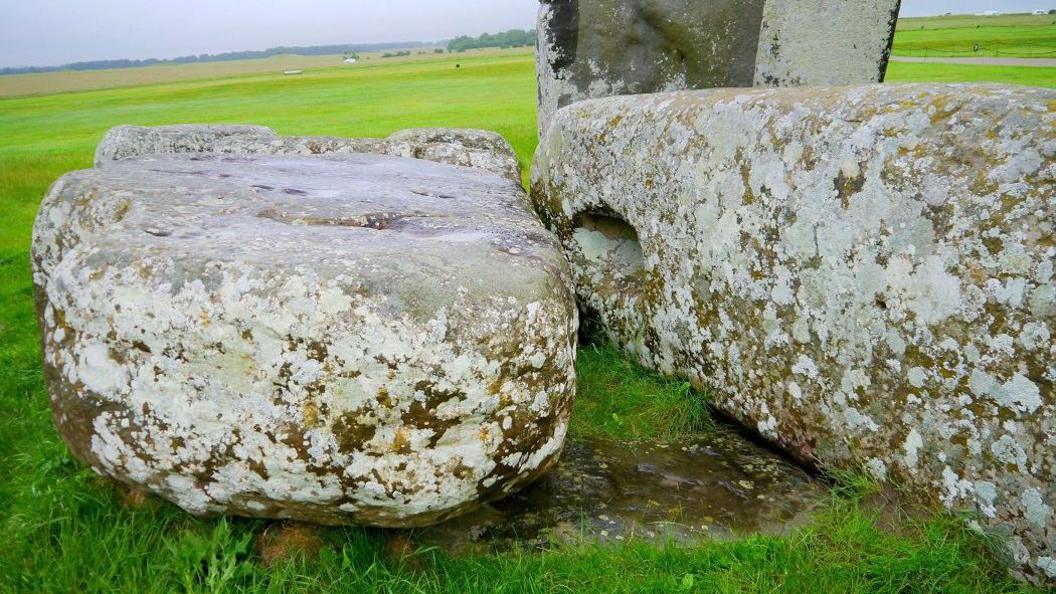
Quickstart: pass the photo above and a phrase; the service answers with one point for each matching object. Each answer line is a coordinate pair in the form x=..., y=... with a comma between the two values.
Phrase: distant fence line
x=990, y=49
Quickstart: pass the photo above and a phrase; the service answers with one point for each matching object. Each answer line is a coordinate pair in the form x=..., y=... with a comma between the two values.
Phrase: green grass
x=1036, y=76
x=627, y=402
x=90, y=544
x=63, y=530
x=1021, y=36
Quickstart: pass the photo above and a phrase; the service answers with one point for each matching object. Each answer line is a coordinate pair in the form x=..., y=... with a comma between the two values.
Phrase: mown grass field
x=67, y=81
x=1007, y=36
x=62, y=529
x=1035, y=76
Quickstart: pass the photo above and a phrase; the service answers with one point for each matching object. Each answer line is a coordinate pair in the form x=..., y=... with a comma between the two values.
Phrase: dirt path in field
x=1043, y=62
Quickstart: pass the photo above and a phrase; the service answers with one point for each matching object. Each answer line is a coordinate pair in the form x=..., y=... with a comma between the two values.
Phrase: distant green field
x=62, y=529
x=65, y=81
x=1009, y=36
x=1035, y=76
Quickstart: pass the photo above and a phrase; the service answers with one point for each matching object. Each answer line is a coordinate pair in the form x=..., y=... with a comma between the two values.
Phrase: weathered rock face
x=598, y=48
x=363, y=339
x=864, y=275
x=454, y=146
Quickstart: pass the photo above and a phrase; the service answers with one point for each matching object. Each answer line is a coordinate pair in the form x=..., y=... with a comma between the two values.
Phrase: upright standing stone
x=597, y=48
x=864, y=275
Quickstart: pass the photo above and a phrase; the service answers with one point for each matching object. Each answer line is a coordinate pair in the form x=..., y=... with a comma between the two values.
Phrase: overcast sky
x=51, y=32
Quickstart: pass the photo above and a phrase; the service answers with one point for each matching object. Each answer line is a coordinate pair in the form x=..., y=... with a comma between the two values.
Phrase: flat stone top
x=376, y=224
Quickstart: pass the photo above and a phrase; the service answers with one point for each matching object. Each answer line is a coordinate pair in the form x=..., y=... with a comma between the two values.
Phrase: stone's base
x=713, y=487
x=864, y=275
x=479, y=149
x=370, y=340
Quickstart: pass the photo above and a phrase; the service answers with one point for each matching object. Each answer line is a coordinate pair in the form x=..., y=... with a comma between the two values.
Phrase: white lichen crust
x=479, y=149
x=364, y=339
x=864, y=275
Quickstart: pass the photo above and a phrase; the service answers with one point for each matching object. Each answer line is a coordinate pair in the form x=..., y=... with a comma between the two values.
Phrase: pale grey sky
x=51, y=32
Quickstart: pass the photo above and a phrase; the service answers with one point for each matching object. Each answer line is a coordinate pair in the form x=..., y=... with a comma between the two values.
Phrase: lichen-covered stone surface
x=364, y=339
x=598, y=48
x=863, y=275
x=480, y=149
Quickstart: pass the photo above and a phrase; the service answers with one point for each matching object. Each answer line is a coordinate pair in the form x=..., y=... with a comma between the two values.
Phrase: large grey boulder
x=598, y=48
x=480, y=149
x=863, y=275
x=364, y=339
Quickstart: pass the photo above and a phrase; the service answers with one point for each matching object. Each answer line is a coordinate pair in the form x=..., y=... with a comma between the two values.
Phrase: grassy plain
x=62, y=529
x=1009, y=36
x=1035, y=76
x=66, y=81
x=46, y=83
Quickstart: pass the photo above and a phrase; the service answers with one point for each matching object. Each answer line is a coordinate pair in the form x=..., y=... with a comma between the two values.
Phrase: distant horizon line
x=213, y=57
x=205, y=57
x=365, y=47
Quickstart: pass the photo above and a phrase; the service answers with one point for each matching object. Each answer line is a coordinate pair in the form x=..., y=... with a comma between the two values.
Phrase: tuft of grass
x=617, y=399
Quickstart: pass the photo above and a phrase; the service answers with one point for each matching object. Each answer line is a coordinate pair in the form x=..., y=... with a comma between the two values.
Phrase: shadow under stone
x=716, y=486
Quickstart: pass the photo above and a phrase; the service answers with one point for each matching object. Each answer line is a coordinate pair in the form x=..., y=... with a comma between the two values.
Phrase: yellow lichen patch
x=383, y=397
x=310, y=413
x=401, y=441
